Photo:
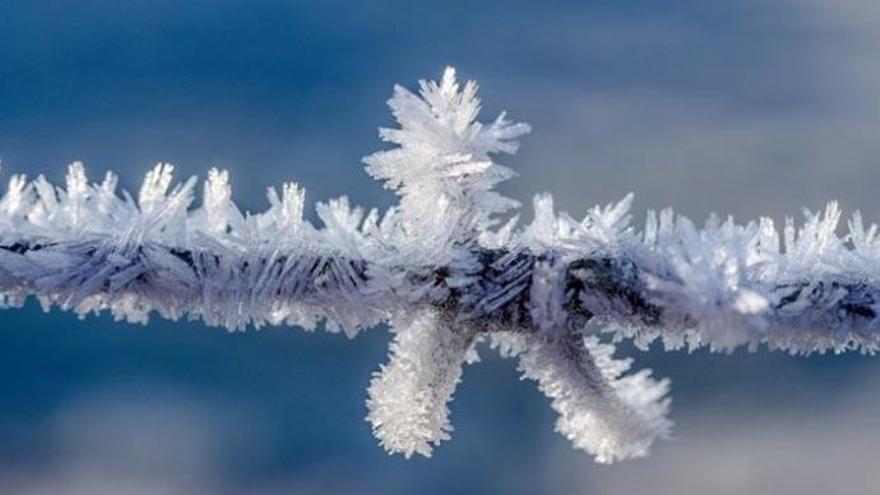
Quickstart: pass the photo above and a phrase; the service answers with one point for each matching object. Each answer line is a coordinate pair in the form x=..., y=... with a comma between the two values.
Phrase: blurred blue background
x=748, y=108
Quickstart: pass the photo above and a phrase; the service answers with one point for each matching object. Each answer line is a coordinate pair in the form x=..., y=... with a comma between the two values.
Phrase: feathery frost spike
x=442, y=167
x=408, y=397
x=602, y=411
x=440, y=270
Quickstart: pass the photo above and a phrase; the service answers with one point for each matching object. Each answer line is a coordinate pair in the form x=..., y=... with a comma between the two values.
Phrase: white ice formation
x=446, y=274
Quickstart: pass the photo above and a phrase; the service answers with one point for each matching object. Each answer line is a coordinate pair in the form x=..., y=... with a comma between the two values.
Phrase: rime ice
x=446, y=276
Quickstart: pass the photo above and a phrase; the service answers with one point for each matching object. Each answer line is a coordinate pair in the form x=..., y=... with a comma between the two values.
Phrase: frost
x=408, y=397
x=446, y=274
x=602, y=411
x=442, y=167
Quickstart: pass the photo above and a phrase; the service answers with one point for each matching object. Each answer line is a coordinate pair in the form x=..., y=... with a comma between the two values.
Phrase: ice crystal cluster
x=446, y=273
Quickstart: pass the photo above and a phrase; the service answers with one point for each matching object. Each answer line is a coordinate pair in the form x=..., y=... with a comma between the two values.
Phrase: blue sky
x=623, y=96
x=747, y=108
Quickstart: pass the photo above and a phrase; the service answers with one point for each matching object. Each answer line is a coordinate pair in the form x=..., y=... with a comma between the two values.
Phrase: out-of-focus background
x=745, y=108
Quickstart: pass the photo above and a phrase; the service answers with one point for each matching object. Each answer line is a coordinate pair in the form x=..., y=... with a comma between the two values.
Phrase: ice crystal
x=408, y=396
x=446, y=276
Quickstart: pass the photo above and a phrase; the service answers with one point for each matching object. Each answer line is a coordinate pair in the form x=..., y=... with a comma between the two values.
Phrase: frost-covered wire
x=446, y=274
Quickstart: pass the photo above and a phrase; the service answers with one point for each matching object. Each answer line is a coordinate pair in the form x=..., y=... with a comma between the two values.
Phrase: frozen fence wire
x=447, y=275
